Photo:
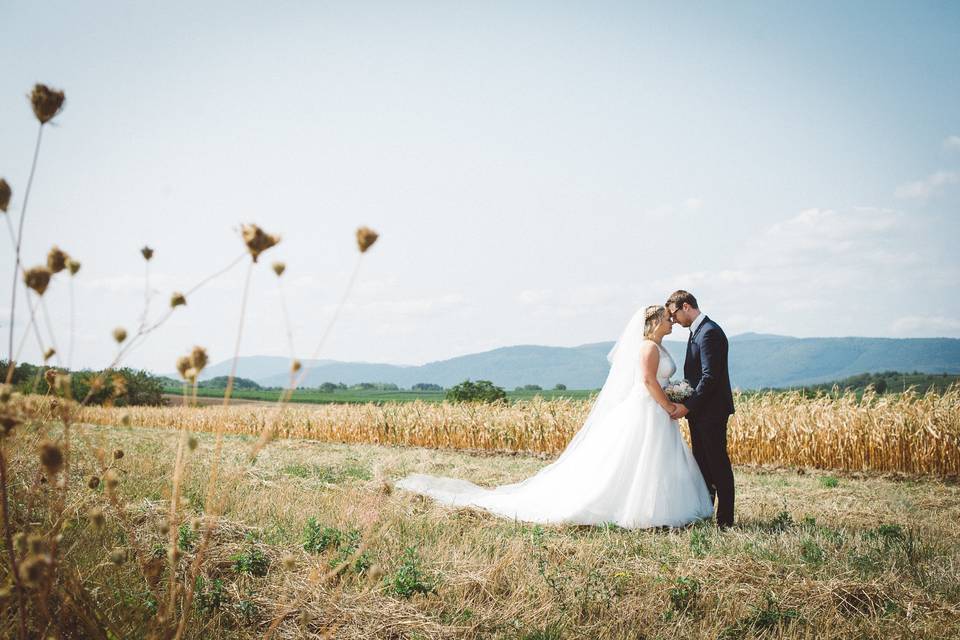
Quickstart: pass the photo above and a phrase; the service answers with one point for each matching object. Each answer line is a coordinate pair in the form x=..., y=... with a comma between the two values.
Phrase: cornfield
x=908, y=433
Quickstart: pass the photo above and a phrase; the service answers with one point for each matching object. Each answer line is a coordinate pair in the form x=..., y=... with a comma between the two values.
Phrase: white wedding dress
x=627, y=465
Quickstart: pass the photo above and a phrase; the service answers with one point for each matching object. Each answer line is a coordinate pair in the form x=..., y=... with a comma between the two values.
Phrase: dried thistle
x=97, y=383
x=118, y=555
x=49, y=353
x=97, y=519
x=198, y=358
x=5, y=194
x=295, y=365
x=6, y=392
x=51, y=457
x=73, y=266
x=63, y=385
x=8, y=421
x=50, y=377
x=93, y=482
x=36, y=544
x=365, y=238
x=192, y=443
x=289, y=562
x=279, y=268
x=117, y=454
x=46, y=102
x=119, y=386
x=147, y=253
x=177, y=299
x=257, y=240
x=37, y=278
x=183, y=365
x=33, y=569
x=111, y=480
x=57, y=259
x=119, y=334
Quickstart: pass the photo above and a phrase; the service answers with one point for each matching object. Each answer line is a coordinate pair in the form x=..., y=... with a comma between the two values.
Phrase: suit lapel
x=693, y=335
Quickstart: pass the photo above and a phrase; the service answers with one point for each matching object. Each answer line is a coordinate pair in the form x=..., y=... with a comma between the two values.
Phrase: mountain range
x=756, y=361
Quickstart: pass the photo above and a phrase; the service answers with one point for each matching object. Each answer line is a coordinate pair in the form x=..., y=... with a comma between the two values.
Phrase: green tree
x=560, y=387
x=479, y=391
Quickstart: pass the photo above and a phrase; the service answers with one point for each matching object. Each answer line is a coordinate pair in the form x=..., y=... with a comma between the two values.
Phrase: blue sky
x=537, y=170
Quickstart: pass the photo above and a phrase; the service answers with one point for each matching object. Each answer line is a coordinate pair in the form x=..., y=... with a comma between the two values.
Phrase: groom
x=711, y=404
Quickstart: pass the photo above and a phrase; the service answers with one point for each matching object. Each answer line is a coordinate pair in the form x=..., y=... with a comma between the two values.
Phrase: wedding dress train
x=628, y=464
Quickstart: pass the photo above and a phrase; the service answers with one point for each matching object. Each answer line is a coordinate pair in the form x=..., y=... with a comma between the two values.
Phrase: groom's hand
x=679, y=412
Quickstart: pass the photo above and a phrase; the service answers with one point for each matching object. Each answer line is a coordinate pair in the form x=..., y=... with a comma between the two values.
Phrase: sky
x=537, y=170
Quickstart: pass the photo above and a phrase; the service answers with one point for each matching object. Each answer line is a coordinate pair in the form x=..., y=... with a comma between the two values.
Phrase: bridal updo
x=651, y=318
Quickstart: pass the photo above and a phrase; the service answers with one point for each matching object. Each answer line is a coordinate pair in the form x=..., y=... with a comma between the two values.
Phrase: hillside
x=756, y=361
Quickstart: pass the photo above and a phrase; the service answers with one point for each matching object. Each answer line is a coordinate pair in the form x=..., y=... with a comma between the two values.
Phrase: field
x=906, y=433
x=815, y=554
x=358, y=396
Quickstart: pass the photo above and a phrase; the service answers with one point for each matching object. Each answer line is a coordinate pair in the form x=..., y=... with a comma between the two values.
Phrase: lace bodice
x=665, y=370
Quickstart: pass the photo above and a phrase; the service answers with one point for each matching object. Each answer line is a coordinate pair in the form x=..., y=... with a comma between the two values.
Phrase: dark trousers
x=709, y=440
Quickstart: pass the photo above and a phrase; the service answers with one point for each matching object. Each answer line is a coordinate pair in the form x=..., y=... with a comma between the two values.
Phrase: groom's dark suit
x=711, y=404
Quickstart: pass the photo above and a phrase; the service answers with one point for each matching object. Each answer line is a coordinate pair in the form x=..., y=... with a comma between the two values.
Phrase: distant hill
x=756, y=361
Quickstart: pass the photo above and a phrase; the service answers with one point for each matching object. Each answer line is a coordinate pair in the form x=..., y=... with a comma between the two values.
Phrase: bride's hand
x=671, y=408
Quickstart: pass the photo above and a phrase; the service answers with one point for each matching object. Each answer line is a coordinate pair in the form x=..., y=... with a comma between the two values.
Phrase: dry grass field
x=907, y=433
x=814, y=555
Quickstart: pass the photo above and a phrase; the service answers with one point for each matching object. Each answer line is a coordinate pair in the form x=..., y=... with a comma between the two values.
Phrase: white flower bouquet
x=678, y=391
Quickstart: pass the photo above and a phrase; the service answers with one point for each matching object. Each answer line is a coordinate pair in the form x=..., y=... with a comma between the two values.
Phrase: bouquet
x=678, y=391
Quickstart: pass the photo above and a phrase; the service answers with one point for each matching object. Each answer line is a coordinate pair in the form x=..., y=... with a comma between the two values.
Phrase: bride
x=627, y=465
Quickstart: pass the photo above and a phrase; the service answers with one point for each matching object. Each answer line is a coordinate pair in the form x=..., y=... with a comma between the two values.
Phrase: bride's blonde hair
x=652, y=316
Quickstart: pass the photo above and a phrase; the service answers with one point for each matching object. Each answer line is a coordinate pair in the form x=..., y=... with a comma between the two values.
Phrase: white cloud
x=921, y=189
x=951, y=143
x=929, y=326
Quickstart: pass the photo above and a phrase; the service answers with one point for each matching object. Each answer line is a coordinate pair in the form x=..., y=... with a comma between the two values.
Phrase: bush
x=530, y=387
x=560, y=387
x=426, y=386
x=119, y=387
x=479, y=391
x=409, y=578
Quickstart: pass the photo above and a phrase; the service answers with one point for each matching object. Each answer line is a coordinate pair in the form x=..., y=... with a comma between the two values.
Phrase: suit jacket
x=705, y=368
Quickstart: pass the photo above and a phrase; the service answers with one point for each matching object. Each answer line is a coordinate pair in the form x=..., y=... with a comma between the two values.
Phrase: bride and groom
x=628, y=465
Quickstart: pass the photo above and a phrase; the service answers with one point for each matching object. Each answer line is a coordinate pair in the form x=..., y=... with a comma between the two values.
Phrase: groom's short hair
x=680, y=297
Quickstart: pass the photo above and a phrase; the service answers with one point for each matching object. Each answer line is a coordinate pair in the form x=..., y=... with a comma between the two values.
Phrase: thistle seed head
x=57, y=260
x=6, y=392
x=51, y=457
x=125, y=419
x=164, y=528
x=118, y=556
x=49, y=353
x=147, y=253
x=5, y=194
x=257, y=240
x=117, y=454
x=119, y=386
x=183, y=365
x=33, y=569
x=119, y=334
x=199, y=358
x=289, y=562
x=111, y=480
x=93, y=482
x=365, y=238
x=36, y=543
x=50, y=377
x=192, y=443
x=177, y=299
x=279, y=268
x=8, y=421
x=295, y=366
x=46, y=102
x=37, y=278
x=73, y=266
x=63, y=385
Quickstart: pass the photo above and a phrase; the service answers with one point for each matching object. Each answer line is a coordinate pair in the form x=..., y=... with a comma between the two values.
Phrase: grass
x=872, y=556
x=365, y=396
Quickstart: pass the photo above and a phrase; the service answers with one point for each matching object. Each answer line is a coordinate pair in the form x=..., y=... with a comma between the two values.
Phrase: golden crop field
x=908, y=433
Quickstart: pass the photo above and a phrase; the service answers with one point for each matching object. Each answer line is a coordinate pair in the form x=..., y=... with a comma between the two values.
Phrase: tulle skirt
x=633, y=470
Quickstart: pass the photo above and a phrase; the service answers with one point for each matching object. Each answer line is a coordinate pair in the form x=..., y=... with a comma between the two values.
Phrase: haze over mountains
x=756, y=361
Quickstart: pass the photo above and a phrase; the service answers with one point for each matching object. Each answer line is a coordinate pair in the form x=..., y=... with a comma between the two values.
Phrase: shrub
x=409, y=578
x=479, y=391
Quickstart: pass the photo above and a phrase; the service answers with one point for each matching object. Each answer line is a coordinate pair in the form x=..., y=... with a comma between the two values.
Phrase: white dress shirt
x=696, y=323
